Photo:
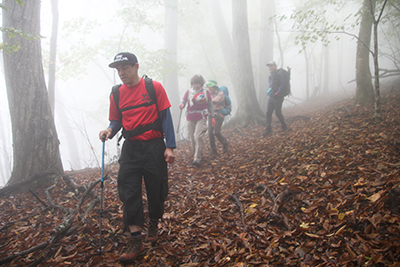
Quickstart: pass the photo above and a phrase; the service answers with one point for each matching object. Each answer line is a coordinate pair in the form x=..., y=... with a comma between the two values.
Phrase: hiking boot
x=267, y=132
x=152, y=233
x=225, y=148
x=134, y=249
x=284, y=129
x=196, y=163
x=213, y=154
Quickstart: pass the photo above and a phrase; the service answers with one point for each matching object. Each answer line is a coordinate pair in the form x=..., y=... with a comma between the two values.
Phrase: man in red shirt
x=146, y=122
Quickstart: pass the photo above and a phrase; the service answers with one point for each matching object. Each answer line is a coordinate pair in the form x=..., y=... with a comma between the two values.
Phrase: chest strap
x=156, y=125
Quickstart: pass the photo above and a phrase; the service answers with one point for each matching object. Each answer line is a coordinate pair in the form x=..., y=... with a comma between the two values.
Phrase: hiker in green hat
x=215, y=123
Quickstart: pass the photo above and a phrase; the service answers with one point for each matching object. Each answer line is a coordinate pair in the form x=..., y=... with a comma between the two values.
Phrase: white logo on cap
x=120, y=58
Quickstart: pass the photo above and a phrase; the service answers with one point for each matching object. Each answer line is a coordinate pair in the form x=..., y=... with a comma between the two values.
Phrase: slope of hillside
x=324, y=193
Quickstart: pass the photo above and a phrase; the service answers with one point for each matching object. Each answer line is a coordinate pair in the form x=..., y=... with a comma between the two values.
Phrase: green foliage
x=312, y=24
x=12, y=33
x=19, y=2
x=138, y=17
x=18, y=33
x=78, y=26
x=73, y=62
x=135, y=14
x=8, y=48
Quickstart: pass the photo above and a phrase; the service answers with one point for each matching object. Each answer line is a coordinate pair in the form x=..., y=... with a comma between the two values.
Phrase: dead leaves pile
x=339, y=170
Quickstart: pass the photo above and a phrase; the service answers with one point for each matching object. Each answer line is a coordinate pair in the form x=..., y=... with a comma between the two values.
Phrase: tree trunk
x=266, y=50
x=68, y=130
x=35, y=141
x=5, y=164
x=326, y=69
x=53, y=53
x=278, y=38
x=307, y=65
x=248, y=107
x=378, y=115
x=170, y=82
x=225, y=41
x=339, y=57
x=365, y=91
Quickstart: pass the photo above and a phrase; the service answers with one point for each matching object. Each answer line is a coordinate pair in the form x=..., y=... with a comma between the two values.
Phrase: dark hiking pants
x=142, y=159
x=275, y=104
x=216, y=132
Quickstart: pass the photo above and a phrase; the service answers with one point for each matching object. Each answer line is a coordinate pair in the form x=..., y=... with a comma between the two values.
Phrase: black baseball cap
x=123, y=58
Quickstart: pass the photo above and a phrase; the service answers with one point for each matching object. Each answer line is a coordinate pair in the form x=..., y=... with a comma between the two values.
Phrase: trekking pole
x=103, y=138
x=179, y=122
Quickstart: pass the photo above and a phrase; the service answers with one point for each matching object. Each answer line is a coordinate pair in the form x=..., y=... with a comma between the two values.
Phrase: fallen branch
x=88, y=191
x=8, y=224
x=70, y=184
x=60, y=230
x=274, y=215
x=265, y=189
x=279, y=200
x=393, y=201
x=93, y=202
x=240, y=131
x=236, y=199
x=23, y=253
x=50, y=200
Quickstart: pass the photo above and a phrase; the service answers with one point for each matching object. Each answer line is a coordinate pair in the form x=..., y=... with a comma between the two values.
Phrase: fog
x=82, y=92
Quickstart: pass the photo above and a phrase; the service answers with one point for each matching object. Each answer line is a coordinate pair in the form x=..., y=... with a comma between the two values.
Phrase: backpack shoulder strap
x=115, y=93
x=205, y=93
x=150, y=88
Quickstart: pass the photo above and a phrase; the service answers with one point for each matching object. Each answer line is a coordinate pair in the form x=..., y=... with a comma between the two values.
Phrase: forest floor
x=324, y=193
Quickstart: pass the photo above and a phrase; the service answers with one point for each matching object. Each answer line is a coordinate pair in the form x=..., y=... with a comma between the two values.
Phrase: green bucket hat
x=211, y=83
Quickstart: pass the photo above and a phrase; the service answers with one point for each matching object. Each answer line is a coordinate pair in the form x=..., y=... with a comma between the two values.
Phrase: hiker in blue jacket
x=276, y=95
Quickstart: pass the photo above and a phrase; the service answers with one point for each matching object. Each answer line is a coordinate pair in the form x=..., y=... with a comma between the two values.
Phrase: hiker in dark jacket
x=275, y=101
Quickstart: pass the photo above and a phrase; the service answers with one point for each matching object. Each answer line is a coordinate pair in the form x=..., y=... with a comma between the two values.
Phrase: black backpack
x=156, y=125
x=286, y=76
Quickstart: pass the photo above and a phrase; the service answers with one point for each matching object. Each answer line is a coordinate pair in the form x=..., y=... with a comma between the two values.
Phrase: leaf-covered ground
x=336, y=169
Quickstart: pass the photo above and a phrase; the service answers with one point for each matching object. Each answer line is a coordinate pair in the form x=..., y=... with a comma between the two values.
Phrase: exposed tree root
x=38, y=199
x=17, y=186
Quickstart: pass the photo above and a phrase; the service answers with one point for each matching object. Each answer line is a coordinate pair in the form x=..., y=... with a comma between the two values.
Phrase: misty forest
x=323, y=193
